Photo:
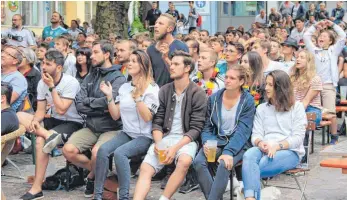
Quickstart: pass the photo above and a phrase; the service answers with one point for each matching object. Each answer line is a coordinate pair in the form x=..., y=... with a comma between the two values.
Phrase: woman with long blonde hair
x=307, y=84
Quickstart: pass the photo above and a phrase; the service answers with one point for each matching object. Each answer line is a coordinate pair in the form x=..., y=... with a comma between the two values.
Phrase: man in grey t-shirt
x=18, y=35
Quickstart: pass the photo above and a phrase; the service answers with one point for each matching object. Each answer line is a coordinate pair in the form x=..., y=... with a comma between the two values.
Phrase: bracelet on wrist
x=109, y=100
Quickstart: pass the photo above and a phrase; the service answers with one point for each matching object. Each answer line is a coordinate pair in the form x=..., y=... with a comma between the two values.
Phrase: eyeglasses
x=9, y=54
x=229, y=50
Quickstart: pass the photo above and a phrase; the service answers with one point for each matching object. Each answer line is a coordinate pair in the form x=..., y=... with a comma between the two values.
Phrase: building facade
x=216, y=15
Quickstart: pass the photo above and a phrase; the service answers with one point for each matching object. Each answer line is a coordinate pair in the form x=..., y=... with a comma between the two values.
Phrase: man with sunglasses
x=11, y=58
x=18, y=35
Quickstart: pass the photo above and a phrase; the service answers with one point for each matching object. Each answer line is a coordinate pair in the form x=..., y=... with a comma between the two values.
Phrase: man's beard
x=54, y=22
x=162, y=36
x=14, y=26
x=100, y=64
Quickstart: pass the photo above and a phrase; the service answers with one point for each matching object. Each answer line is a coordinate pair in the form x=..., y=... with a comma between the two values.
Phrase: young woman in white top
x=326, y=54
x=136, y=103
x=278, y=133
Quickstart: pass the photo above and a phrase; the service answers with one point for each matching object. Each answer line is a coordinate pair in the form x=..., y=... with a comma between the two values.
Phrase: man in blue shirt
x=51, y=32
x=11, y=58
x=338, y=13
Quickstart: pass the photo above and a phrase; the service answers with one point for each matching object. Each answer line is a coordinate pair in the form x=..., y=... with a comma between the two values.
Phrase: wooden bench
x=341, y=109
x=340, y=149
x=336, y=163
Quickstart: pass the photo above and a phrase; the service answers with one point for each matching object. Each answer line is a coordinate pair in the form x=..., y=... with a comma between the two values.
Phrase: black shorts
x=60, y=126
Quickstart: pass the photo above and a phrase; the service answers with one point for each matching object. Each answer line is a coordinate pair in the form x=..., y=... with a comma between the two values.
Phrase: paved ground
x=323, y=183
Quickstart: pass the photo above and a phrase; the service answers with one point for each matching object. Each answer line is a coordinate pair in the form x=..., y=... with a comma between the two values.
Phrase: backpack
x=58, y=181
x=199, y=21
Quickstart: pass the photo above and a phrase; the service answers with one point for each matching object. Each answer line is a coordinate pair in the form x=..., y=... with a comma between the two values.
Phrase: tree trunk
x=111, y=17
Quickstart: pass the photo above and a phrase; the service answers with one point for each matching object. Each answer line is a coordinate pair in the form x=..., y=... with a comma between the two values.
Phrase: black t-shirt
x=9, y=121
x=33, y=78
x=160, y=69
x=152, y=16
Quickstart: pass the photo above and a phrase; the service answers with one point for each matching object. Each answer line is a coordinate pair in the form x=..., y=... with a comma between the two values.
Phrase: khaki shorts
x=85, y=139
x=189, y=149
x=329, y=97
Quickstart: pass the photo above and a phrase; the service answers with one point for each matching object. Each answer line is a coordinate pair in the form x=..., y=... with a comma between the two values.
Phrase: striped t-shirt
x=316, y=84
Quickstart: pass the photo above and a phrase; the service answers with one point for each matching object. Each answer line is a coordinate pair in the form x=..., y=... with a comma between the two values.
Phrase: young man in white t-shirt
x=62, y=45
x=263, y=48
x=57, y=90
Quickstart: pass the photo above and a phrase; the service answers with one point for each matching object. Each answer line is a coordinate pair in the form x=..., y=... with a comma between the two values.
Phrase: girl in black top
x=83, y=63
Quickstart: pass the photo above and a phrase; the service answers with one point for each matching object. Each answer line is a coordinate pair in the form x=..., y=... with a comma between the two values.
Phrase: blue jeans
x=318, y=113
x=257, y=165
x=123, y=147
x=213, y=189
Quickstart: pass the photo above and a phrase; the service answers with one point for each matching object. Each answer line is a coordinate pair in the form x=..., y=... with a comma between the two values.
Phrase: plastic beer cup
x=212, y=150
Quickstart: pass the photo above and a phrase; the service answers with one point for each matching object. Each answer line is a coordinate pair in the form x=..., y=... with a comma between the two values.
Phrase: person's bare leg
x=3, y=196
x=177, y=177
x=250, y=198
x=25, y=119
x=143, y=184
x=40, y=169
x=72, y=154
x=91, y=174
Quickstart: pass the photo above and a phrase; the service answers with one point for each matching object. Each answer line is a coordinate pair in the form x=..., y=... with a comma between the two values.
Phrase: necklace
x=209, y=85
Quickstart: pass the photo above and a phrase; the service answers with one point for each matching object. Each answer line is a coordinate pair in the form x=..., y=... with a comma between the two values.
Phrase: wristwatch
x=51, y=88
x=138, y=99
x=281, y=145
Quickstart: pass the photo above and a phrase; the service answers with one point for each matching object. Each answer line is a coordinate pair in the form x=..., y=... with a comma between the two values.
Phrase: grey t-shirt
x=16, y=37
x=177, y=128
x=229, y=117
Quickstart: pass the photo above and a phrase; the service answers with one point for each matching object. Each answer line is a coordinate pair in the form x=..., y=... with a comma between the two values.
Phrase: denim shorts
x=318, y=113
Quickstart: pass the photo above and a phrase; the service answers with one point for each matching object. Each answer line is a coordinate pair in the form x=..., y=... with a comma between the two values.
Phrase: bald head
x=17, y=21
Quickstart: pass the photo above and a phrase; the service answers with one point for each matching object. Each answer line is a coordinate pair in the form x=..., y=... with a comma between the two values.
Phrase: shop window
x=248, y=8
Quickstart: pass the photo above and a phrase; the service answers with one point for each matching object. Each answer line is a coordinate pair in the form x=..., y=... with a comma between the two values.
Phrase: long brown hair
x=283, y=99
x=145, y=65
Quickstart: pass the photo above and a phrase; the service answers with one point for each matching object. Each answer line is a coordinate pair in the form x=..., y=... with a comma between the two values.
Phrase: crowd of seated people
x=162, y=101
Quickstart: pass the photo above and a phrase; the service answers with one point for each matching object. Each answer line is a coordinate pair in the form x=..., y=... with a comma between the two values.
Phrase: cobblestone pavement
x=323, y=183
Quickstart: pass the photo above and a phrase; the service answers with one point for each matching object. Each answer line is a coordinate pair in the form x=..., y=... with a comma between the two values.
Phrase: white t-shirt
x=298, y=35
x=74, y=33
x=273, y=65
x=70, y=65
x=177, y=126
x=67, y=88
x=260, y=20
x=133, y=124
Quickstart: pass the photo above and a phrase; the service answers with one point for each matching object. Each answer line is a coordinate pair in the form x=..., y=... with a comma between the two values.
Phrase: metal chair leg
x=231, y=177
x=33, y=145
x=323, y=135
x=17, y=168
x=312, y=142
x=301, y=189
